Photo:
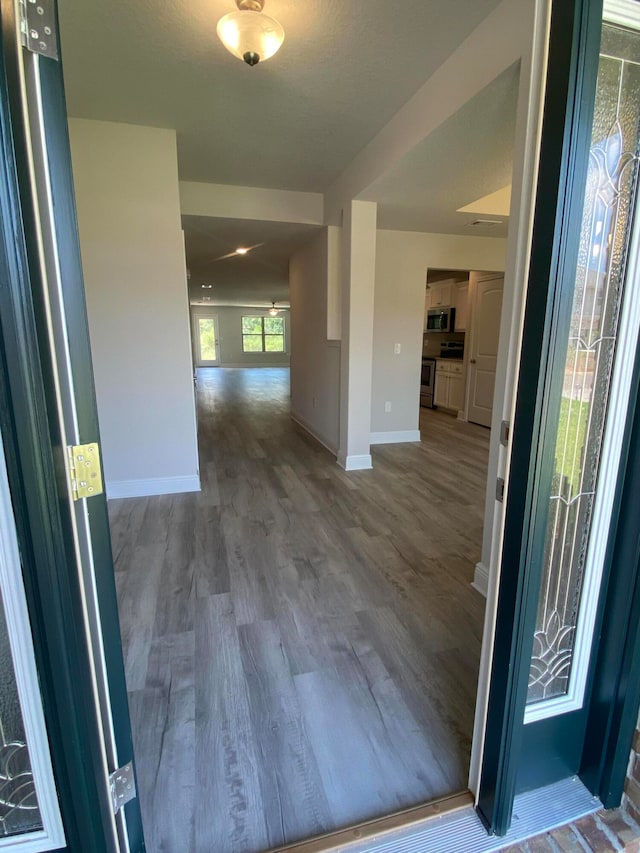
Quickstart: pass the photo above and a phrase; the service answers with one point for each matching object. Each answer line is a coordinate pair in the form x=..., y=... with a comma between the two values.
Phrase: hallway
x=301, y=644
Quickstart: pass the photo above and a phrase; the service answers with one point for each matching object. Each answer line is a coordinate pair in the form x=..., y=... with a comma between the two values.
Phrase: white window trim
x=51, y=837
x=265, y=316
x=625, y=13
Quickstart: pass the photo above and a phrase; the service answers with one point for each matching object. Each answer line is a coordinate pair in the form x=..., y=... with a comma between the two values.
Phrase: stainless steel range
x=452, y=349
x=427, y=381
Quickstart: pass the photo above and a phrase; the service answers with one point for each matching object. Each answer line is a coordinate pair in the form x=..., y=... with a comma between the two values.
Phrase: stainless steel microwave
x=440, y=320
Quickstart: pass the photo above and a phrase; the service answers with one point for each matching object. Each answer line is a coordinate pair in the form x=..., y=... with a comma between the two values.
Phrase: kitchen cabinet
x=427, y=305
x=440, y=294
x=461, y=304
x=449, y=390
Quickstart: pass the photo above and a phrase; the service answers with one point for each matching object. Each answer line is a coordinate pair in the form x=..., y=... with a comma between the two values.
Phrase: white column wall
x=315, y=360
x=358, y=286
x=126, y=182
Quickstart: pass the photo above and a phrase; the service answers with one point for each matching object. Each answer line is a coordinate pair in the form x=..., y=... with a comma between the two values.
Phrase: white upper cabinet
x=441, y=294
x=461, y=304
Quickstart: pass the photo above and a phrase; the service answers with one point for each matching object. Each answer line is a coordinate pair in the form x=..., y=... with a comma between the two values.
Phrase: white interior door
x=485, y=335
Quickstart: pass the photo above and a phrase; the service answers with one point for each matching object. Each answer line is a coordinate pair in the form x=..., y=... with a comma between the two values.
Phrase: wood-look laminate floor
x=301, y=644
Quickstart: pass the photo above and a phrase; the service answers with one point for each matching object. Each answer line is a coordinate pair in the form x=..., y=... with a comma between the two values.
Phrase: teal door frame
x=35, y=452
x=592, y=743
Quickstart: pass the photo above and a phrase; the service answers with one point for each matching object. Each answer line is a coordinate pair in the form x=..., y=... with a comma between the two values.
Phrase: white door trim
x=198, y=314
x=622, y=12
x=523, y=199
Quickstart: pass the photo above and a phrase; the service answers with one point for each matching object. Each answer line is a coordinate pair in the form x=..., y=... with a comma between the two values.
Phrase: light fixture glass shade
x=248, y=35
x=273, y=311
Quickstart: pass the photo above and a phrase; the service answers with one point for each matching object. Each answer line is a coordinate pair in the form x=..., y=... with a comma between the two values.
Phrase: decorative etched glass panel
x=19, y=810
x=591, y=346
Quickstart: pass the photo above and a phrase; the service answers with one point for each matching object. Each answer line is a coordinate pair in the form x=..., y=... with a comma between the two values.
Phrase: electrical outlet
x=387, y=406
x=397, y=349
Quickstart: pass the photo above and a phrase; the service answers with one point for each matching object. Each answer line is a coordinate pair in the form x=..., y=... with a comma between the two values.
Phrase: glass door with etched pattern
x=594, y=359
x=29, y=814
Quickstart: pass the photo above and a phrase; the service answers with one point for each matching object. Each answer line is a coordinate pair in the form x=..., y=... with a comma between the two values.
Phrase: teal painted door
x=48, y=403
x=575, y=401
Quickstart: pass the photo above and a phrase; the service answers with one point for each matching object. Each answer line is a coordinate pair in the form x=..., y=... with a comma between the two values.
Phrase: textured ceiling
x=294, y=122
x=258, y=278
x=467, y=157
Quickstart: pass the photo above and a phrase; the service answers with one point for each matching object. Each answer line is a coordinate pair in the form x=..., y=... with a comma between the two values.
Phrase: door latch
x=500, y=489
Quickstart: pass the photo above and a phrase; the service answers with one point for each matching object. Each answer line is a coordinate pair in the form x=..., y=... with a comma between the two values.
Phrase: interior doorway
x=303, y=643
x=205, y=338
x=172, y=615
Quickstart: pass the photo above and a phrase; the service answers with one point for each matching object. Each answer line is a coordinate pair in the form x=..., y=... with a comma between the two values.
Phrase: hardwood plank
x=163, y=718
x=210, y=562
x=229, y=810
x=294, y=803
x=174, y=612
x=366, y=731
x=139, y=598
x=125, y=520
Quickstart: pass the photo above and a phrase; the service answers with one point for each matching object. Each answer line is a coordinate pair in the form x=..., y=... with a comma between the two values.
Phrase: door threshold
x=451, y=825
x=378, y=828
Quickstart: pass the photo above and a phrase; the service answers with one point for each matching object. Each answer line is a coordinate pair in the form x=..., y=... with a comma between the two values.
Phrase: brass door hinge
x=84, y=467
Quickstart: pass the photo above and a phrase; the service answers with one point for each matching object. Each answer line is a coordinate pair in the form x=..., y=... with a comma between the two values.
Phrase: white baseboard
x=355, y=463
x=306, y=426
x=152, y=486
x=401, y=436
x=481, y=579
x=237, y=364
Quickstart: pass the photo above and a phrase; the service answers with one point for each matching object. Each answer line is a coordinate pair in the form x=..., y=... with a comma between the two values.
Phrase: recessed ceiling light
x=207, y=286
x=241, y=251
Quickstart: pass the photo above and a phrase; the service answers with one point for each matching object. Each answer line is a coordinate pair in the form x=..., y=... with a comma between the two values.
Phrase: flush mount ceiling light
x=250, y=35
x=207, y=286
x=273, y=311
x=241, y=251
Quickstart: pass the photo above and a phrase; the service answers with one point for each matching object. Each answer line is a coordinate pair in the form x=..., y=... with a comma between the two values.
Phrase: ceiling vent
x=484, y=223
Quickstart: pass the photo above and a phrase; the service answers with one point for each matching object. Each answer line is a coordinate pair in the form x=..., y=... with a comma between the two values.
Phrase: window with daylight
x=263, y=334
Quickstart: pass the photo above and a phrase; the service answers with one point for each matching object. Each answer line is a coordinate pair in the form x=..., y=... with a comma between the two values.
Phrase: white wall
x=126, y=181
x=315, y=361
x=236, y=202
x=402, y=260
x=498, y=42
x=230, y=337
x=357, y=274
